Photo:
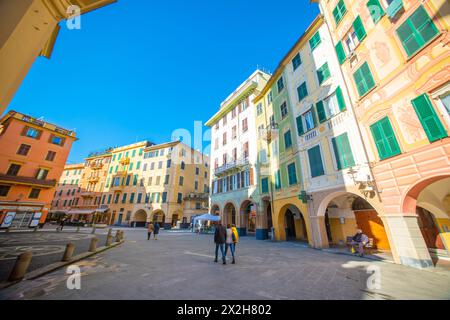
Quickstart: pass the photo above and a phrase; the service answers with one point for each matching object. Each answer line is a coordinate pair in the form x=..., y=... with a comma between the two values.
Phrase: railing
x=232, y=165
x=96, y=166
x=197, y=196
x=125, y=161
x=394, y=8
x=28, y=181
x=310, y=135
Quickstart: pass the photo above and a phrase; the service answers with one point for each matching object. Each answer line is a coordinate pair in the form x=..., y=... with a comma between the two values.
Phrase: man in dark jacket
x=220, y=235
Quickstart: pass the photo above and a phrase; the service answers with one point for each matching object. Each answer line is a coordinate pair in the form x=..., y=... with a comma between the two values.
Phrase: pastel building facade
x=234, y=191
x=67, y=191
x=32, y=157
x=395, y=59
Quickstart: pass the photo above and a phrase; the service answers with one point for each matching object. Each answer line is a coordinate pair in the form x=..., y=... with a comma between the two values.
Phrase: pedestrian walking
x=236, y=236
x=229, y=244
x=150, y=230
x=61, y=224
x=359, y=240
x=156, y=231
x=219, y=239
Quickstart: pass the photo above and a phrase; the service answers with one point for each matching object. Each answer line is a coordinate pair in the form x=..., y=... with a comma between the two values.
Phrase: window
x=340, y=52
x=164, y=197
x=23, y=149
x=375, y=9
x=299, y=122
x=32, y=133
x=269, y=98
x=343, y=152
x=416, y=31
x=4, y=190
x=224, y=119
x=34, y=194
x=150, y=181
x=132, y=198
x=158, y=180
x=234, y=154
x=169, y=163
x=128, y=180
x=135, y=180
x=287, y=139
x=292, y=174
x=323, y=73
x=197, y=171
x=166, y=179
x=259, y=109
x=144, y=168
x=302, y=91
x=244, y=125
x=297, y=61
x=310, y=122
x=224, y=141
x=131, y=166
x=13, y=170
x=234, y=132
x=280, y=84
x=245, y=150
x=315, y=162
x=179, y=198
x=278, y=180
x=57, y=140
x=138, y=165
x=183, y=165
x=283, y=110
x=428, y=118
x=330, y=106
x=385, y=139
x=50, y=156
x=181, y=182
x=351, y=41
x=363, y=79
x=359, y=29
x=265, y=185
x=139, y=198
x=124, y=198
x=339, y=11
x=160, y=165
x=233, y=113
x=314, y=41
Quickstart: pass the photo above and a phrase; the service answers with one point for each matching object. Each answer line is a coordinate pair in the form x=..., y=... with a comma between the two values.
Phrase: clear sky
x=139, y=69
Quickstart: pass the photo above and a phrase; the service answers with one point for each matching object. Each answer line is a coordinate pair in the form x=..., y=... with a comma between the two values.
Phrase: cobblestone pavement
x=180, y=266
x=47, y=246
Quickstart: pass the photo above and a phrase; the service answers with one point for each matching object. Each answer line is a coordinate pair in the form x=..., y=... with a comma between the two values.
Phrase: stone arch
x=229, y=213
x=247, y=217
x=140, y=218
x=215, y=209
x=330, y=197
x=292, y=224
x=158, y=216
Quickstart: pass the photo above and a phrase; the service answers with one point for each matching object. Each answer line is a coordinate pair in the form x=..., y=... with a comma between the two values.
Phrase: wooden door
x=371, y=225
x=429, y=229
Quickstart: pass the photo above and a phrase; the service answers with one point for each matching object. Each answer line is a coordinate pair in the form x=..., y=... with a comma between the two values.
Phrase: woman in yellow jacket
x=236, y=235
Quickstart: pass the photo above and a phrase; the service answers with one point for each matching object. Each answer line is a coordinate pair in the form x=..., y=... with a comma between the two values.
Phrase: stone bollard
x=93, y=245
x=117, y=236
x=109, y=240
x=110, y=231
x=121, y=235
x=21, y=266
x=78, y=229
x=70, y=248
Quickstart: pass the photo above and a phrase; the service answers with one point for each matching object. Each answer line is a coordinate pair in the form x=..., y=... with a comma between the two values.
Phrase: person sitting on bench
x=360, y=240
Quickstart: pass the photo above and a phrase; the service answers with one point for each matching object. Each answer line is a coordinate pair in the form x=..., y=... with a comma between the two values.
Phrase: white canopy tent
x=205, y=217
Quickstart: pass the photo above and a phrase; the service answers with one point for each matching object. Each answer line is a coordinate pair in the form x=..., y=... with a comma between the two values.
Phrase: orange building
x=32, y=158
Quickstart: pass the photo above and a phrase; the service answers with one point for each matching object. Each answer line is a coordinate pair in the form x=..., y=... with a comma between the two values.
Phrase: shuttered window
x=277, y=179
x=416, y=31
x=376, y=10
x=292, y=174
x=339, y=11
x=302, y=91
x=359, y=29
x=265, y=185
x=429, y=118
x=385, y=139
x=287, y=139
x=363, y=79
x=340, y=52
x=323, y=73
x=321, y=114
x=343, y=152
x=314, y=41
x=297, y=61
x=300, y=129
x=315, y=162
x=340, y=99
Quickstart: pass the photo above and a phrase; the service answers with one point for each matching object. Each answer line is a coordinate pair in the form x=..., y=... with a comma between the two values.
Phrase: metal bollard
x=109, y=240
x=21, y=266
x=70, y=248
x=93, y=245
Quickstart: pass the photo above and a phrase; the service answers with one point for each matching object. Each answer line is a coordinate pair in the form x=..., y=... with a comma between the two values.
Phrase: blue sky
x=138, y=69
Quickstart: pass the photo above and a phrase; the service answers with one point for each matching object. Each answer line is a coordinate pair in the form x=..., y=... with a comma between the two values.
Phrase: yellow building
x=395, y=59
x=28, y=29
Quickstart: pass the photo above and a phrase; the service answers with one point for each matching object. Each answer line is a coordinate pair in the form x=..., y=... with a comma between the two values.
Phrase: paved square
x=180, y=266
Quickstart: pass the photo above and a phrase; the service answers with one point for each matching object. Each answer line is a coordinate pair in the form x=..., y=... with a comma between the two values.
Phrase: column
x=262, y=231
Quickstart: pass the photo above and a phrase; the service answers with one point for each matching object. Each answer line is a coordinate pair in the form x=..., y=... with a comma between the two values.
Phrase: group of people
x=153, y=228
x=225, y=238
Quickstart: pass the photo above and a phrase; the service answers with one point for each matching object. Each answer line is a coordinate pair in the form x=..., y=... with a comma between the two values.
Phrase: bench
x=369, y=246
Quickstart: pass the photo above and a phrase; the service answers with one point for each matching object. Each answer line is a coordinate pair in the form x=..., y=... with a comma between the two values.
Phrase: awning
x=206, y=217
x=81, y=212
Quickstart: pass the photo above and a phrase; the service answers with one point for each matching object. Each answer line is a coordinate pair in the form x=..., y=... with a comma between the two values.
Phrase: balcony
x=27, y=181
x=96, y=166
x=394, y=8
x=125, y=161
x=234, y=165
x=196, y=196
x=87, y=194
x=121, y=173
x=270, y=132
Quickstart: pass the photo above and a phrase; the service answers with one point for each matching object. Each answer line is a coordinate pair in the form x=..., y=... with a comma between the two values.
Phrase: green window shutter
x=323, y=73
x=385, y=139
x=277, y=179
x=416, y=31
x=265, y=185
x=300, y=129
x=363, y=79
x=321, y=112
x=375, y=9
x=339, y=11
x=340, y=99
x=292, y=175
x=302, y=91
x=315, y=162
x=359, y=29
x=340, y=52
x=287, y=139
x=428, y=118
x=343, y=152
x=314, y=41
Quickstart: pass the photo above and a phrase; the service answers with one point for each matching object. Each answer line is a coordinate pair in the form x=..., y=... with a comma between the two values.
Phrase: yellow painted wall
x=340, y=232
x=444, y=235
